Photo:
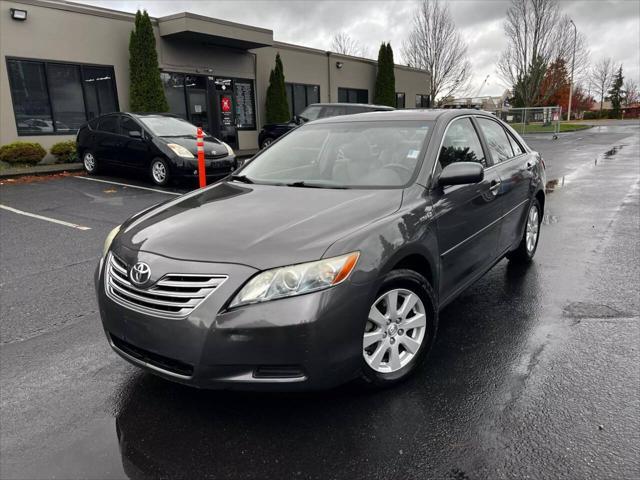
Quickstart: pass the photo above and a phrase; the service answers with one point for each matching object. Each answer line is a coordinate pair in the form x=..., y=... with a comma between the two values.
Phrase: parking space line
x=127, y=185
x=46, y=219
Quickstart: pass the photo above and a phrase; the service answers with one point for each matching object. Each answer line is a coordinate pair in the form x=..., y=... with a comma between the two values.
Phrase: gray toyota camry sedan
x=327, y=257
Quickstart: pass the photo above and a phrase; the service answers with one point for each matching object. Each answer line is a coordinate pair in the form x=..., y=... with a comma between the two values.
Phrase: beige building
x=64, y=63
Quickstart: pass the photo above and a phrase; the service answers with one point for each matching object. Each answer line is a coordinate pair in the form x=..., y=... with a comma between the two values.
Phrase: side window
x=108, y=124
x=517, y=149
x=497, y=140
x=128, y=124
x=461, y=144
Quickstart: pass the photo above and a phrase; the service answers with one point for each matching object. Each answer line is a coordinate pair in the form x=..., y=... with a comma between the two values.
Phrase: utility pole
x=573, y=62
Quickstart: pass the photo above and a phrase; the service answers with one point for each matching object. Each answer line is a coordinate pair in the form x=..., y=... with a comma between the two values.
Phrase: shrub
x=22, y=152
x=65, y=152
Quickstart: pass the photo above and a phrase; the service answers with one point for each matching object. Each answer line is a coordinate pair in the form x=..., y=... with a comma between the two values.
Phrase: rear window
x=108, y=124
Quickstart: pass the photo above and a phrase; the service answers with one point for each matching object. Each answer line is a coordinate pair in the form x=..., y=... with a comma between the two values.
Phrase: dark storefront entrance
x=221, y=106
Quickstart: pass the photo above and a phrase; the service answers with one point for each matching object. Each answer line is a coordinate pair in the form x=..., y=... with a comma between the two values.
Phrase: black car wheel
x=90, y=162
x=266, y=142
x=529, y=243
x=159, y=171
x=400, y=329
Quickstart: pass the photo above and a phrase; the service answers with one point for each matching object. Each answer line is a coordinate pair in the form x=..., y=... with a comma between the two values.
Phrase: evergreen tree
x=146, y=93
x=616, y=93
x=385, y=89
x=277, y=105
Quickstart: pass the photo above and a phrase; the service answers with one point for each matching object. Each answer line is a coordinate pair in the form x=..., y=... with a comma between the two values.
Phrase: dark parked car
x=162, y=145
x=325, y=258
x=273, y=131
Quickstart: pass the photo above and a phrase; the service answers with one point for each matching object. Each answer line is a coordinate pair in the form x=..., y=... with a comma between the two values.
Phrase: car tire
x=529, y=242
x=159, y=172
x=89, y=162
x=266, y=142
x=396, y=338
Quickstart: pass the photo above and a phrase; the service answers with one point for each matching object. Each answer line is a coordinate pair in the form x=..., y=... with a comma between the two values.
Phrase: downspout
x=329, y=75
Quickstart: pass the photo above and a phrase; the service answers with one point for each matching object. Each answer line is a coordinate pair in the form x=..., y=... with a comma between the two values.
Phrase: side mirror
x=135, y=134
x=461, y=173
x=297, y=120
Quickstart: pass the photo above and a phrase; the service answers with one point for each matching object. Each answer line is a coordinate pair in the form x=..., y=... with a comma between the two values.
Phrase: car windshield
x=343, y=155
x=310, y=113
x=169, y=126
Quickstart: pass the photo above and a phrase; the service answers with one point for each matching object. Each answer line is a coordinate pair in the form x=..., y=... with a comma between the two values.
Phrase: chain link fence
x=545, y=120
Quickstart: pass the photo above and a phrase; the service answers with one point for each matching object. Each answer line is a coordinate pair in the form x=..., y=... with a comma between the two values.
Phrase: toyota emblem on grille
x=140, y=273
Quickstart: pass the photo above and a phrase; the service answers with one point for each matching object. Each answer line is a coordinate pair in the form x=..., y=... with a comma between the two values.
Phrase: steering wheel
x=398, y=166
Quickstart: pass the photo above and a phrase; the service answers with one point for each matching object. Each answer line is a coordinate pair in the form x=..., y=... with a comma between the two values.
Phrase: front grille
x=175, y=295
x=160, y=361
x=215, y=157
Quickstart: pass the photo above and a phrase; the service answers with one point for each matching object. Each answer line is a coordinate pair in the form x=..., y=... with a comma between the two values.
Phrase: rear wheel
x=529, y=243
x=266, y=142
x=90, y=162
x=160, y=172
x=400, y=329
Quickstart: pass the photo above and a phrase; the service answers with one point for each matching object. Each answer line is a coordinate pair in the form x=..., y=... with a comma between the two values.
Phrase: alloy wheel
x=159, y=172
x=394, y=331
x=89, y=162
x=533, y=228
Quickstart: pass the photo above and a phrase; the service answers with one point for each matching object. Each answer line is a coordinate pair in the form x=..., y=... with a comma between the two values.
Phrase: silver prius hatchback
x=327, y=257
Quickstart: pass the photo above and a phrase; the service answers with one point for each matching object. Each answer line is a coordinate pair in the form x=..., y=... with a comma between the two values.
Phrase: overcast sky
x=611, y=27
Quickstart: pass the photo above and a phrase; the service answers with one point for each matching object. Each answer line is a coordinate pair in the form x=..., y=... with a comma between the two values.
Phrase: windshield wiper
x=242, y=178
x=312, y=185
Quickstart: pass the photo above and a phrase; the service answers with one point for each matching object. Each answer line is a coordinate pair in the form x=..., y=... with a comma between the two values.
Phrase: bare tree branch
x=538, y=34
x=344, y=44
x=600, y=78
x=435, y=45
x=630, y=92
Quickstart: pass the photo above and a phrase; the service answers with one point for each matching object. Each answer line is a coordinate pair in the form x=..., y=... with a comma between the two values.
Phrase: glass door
x=196, y=87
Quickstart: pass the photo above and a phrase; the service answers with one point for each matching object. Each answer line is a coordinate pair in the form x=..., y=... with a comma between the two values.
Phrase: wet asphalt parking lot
x=535, y=372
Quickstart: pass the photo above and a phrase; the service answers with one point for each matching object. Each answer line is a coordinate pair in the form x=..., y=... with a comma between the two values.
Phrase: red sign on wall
x=225, y=104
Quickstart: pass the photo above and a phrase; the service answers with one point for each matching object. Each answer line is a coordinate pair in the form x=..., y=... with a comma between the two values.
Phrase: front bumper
x=311, y=341
x=214, y=168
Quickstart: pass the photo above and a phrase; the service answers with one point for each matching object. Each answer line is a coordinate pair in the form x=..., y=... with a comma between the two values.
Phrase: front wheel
x=529, y=243
x=160, y=172
x=400, y=329
x=266, y=142
x=90, y=163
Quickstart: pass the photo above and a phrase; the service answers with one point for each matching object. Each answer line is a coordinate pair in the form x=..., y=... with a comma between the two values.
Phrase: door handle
x=495, y=185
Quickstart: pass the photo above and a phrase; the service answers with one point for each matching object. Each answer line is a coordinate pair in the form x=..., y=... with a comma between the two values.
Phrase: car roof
x=404, y=114
x=159, y=114
x=344, y=104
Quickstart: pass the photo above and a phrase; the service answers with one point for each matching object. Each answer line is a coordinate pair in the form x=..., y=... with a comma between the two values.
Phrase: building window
x=53, y=97
x=353, y=95
x=399, y=99
x=422, y=101
x=300, y=95
x=174, y=91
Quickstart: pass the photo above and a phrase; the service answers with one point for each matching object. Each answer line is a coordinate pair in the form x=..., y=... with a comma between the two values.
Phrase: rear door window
x=108, y=124
x=461, y=144
x=517, y=148
x=497, y=140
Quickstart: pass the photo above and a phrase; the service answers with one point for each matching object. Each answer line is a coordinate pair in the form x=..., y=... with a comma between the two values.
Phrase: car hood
x=262, y=226
x=212, y=146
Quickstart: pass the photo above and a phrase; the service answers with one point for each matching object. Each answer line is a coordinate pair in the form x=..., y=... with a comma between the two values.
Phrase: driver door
x=467, y=216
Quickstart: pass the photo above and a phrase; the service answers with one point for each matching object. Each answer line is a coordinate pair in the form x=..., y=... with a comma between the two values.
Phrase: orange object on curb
x=201, y=172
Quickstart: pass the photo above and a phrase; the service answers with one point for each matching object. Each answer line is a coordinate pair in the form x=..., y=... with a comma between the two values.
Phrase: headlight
x=296, y=279
x=109, y=239
x=180, y=150
x=229, y=149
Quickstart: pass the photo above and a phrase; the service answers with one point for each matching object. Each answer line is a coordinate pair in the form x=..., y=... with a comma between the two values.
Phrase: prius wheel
x=266, y=142
x=529, y=243
x=89, y=162
x=400, y=328
x=160, y=172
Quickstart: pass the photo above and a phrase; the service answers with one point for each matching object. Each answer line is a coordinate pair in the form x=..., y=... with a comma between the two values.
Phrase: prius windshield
x=367, y=154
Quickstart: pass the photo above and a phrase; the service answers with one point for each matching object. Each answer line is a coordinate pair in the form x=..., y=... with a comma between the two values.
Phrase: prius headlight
x=180, y=150
x=296, y=279
x=107, y=241
x=229, y=149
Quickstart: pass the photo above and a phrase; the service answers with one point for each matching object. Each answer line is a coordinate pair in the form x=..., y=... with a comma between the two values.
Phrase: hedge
x=22, y=152
x=65, y=152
